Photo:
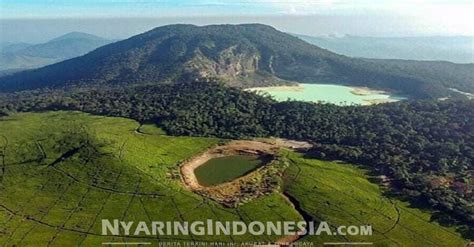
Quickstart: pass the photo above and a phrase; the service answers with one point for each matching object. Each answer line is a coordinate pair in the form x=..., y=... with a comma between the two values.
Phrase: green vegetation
x=227, y=168
x=342, y=195
x=63, y=172
x=150, y=129
x=243, y=56
x=425, y=147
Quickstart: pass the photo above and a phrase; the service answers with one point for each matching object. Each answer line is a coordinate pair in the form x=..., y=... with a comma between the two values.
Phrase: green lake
x=328, y=93
x=225, y=169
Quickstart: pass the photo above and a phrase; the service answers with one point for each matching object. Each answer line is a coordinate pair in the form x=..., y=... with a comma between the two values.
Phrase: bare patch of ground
x=290, y=144
x=363, y=91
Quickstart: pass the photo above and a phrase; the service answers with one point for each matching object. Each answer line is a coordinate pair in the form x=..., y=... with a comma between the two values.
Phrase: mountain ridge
x=78, y=35
x=30, y=56
x=243, y=55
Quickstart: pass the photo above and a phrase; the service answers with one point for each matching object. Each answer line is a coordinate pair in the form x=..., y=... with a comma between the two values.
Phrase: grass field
x=341, y=194
x=63, y=172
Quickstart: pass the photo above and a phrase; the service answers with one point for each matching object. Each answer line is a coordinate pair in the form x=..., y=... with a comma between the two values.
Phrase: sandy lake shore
x=379, y=101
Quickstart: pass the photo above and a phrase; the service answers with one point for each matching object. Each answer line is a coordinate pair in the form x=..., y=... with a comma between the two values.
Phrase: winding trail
x=398, y=217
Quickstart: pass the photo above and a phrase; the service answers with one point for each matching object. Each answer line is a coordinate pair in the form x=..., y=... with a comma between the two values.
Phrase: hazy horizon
x=36, y=21
x=43, y=29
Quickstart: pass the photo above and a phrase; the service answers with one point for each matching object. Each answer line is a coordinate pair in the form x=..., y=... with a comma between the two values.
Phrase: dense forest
x=243, y=56
x=424, y=148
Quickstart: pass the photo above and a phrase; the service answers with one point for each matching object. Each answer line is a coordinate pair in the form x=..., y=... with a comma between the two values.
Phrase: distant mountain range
x=21, y=56
x=242, y=56
x=457, y=49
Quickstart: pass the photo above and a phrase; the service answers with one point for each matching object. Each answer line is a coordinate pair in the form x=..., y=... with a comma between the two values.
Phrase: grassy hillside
x=62, y=172
x=109, y=172
x=414, y=143
x=342, y=194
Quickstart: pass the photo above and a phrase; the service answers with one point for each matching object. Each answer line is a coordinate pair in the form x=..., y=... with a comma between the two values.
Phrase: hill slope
x=115, y=173
x=413, y=143
x=343, y=195
x=26, y=56
x=242, y=55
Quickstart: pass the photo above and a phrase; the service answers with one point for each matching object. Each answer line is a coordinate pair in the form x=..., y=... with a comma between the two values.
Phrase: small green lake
x=225, y=169
x=328, y=93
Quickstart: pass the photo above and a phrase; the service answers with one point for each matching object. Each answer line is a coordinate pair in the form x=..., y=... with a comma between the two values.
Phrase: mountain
x=450, y=75
x=457, y=49
x=241, y=55
x=27, y=56
x=78, y=36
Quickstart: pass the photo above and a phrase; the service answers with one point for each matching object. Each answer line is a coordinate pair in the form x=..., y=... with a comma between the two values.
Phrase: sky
x=39, y=19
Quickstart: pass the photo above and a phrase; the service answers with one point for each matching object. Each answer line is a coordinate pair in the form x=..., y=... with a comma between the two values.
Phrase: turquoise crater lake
x=328, y=93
